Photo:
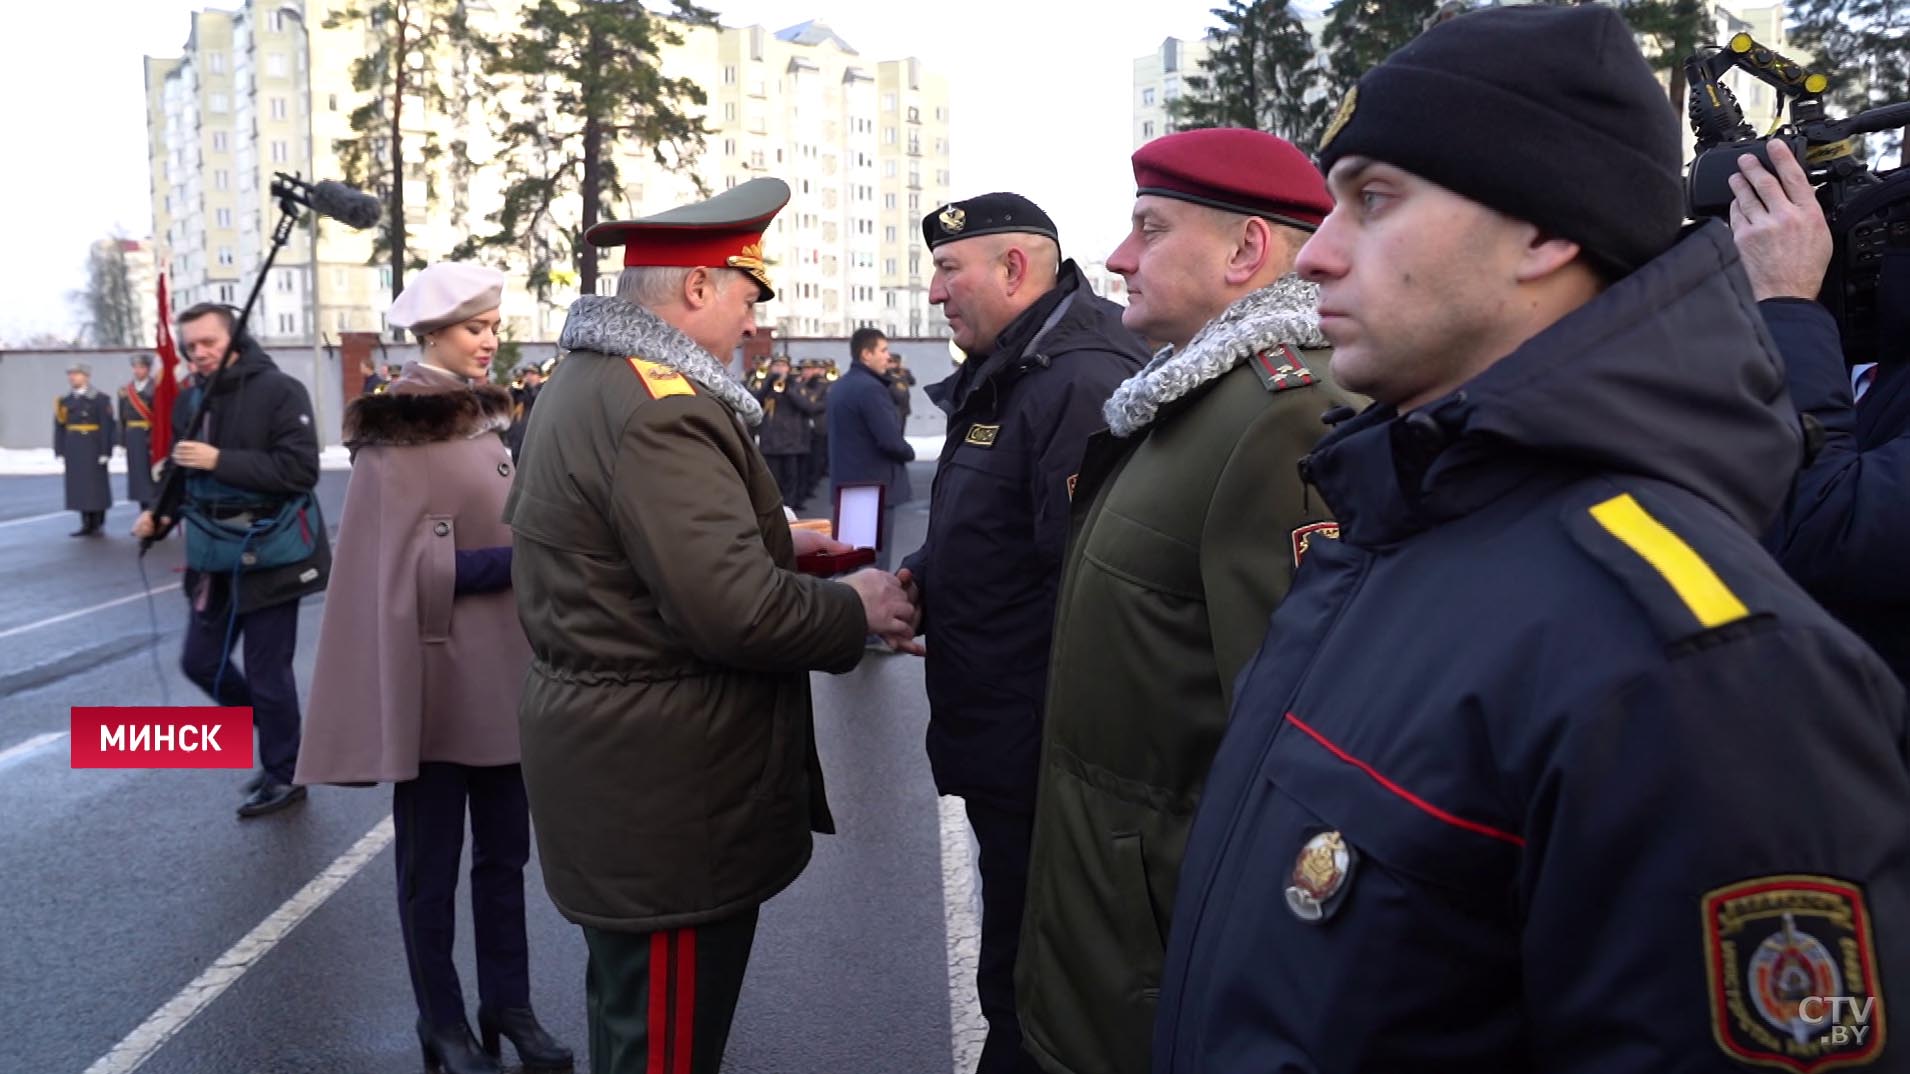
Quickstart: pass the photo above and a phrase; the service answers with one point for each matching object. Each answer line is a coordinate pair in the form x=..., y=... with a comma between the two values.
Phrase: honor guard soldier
x=668, y=746
x=1044, y=352
x=83, y=438
x=136, y=425
x=1202, y=455
x=1544, y=765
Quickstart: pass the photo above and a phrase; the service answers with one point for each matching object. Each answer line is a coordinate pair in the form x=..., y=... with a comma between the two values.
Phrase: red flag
x=168, y=387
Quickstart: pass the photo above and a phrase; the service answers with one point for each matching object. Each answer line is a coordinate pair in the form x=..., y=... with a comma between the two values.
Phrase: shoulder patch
x=1280, y=368
x=1682, y=591
x=982, y=435
x=660, y=380
x=1791, y=966
x=1304, y=537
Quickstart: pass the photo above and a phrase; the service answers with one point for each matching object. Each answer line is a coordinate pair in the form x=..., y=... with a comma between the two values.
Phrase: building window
x=915, y=114
x=277, y=22
x=215, y=63
x=729, y=147
x=729, y=112
x=891, y=302
x=729, y=75
x=281, y=152
x=227, y=292
x=334, y=102
x=1147, y=129
x=888, y=201
x=888, y=234
x=225, y=255
x=888, y=136
x=278, y=108
x=1171, y=93
x=284, y=282
x=756, y=159
x=1147, y=97
x=221, y=179
x=216, y=103
x=888, y=169
x=275, y=63
x=889, y=266
x=288, y=323
x=223, y=216
x=915, y=203
x=888, y=102
x=218, y=141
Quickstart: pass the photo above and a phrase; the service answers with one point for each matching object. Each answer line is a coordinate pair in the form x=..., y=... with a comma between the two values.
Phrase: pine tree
x=1361, y=33
x=593, y=68
x=417, y=52
x=1260, y=72
x=109, y=309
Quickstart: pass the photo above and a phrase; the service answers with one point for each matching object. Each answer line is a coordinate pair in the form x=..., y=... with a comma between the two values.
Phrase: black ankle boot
x=539, y=1053
x=450, y=1050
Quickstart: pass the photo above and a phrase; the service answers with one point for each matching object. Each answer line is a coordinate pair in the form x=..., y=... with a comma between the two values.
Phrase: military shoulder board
x=659, y=379
x=1279, y=368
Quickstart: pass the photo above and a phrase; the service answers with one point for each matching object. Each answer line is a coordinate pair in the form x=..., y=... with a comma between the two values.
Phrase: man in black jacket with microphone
x=253, y=440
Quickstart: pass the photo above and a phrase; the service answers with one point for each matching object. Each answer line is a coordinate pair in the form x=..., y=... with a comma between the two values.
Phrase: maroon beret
x=1242, y=171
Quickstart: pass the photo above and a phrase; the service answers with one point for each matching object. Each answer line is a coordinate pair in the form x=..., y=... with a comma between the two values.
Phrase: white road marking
x=11, y=631
x=166, y=1022
x=29, y=747
x=968, y=1030
x=55, y=514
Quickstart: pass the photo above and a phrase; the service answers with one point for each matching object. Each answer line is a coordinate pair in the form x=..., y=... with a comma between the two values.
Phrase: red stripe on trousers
x=685, y=997
x=659, y=999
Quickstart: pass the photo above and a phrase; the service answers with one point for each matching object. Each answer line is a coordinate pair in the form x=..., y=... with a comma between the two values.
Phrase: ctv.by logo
x=1847, y=1018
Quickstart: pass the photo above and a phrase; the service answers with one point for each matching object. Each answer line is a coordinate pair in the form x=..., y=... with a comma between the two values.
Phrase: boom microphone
x=352, y=208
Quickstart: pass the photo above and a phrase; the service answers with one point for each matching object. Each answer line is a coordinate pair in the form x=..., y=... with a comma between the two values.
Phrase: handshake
x=892, y=602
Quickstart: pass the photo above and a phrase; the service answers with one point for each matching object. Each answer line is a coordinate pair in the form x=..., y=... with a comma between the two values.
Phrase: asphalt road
x=119, y=889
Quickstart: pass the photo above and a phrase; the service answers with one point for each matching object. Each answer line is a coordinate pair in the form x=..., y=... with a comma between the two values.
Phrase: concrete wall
x=30, y=381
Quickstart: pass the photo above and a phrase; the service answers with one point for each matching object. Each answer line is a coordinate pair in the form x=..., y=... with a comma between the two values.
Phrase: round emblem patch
x=1319, y=877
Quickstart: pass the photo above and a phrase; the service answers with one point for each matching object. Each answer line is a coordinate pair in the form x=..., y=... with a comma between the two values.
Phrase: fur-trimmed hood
x=424, y=406
x=1284, y=311
x=615, y=327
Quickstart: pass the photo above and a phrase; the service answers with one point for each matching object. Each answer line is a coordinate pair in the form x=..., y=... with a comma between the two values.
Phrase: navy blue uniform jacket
x=1846, y=536
x=1019, y=420
x=865, y=435
x=1546, y=765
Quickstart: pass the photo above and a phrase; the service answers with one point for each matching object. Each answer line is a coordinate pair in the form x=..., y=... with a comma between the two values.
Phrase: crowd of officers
x=1377, y=647
x=794, y=435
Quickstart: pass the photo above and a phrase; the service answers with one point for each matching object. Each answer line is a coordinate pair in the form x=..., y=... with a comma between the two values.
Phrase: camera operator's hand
x=1779, y=227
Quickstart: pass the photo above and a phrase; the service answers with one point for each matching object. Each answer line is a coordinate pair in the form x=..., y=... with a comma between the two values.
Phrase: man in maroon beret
x=1190, y=520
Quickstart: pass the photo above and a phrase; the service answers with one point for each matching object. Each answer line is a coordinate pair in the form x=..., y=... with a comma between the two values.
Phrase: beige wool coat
x=406, y=672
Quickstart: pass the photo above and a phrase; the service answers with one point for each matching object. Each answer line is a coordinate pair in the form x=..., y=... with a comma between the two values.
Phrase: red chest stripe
x=1417, y=802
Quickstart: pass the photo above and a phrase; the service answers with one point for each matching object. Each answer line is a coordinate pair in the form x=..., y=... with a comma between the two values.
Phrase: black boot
x=535, y=1048
x=86, y=525
x=450, y=1050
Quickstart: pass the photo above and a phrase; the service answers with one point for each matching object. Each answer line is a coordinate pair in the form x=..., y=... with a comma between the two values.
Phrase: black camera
x=1868, y=212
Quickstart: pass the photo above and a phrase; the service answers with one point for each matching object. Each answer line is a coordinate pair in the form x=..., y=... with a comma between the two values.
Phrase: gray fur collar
x=615, y=327
x=1284, y=311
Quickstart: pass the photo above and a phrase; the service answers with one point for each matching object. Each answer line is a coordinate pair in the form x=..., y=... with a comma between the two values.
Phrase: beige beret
x=445, y=294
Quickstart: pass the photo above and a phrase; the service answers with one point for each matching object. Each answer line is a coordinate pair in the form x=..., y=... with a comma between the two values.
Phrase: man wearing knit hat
x=668, y=746
x=1043, y=353
x=1543, y=765
x=1200, y=454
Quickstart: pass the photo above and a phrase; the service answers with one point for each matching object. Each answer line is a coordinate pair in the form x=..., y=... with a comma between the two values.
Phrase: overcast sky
x=1039, y=88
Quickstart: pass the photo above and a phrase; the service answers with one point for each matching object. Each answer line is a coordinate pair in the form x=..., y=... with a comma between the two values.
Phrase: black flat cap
x=986, y=214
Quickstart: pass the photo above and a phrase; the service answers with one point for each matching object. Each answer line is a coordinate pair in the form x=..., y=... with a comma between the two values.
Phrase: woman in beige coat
x=421, y=661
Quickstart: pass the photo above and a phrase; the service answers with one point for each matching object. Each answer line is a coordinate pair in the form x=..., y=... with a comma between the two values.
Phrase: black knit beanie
x=1547, y=114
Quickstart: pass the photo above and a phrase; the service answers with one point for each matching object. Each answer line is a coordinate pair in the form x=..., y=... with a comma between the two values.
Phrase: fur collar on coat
x=1284, y=311
x=621, y=329
x=424, y=407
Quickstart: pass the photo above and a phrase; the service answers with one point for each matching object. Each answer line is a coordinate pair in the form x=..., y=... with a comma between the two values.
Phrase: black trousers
x=1005, y=838
x=816, y=466
x=662, y=1002
x=269, y=639
x=427, y=817
x=787, y=470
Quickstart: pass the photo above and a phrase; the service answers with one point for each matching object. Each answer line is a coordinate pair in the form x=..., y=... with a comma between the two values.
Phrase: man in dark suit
x=865, y=433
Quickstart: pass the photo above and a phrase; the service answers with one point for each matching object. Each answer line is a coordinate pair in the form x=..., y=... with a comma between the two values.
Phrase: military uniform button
x=503, y=469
